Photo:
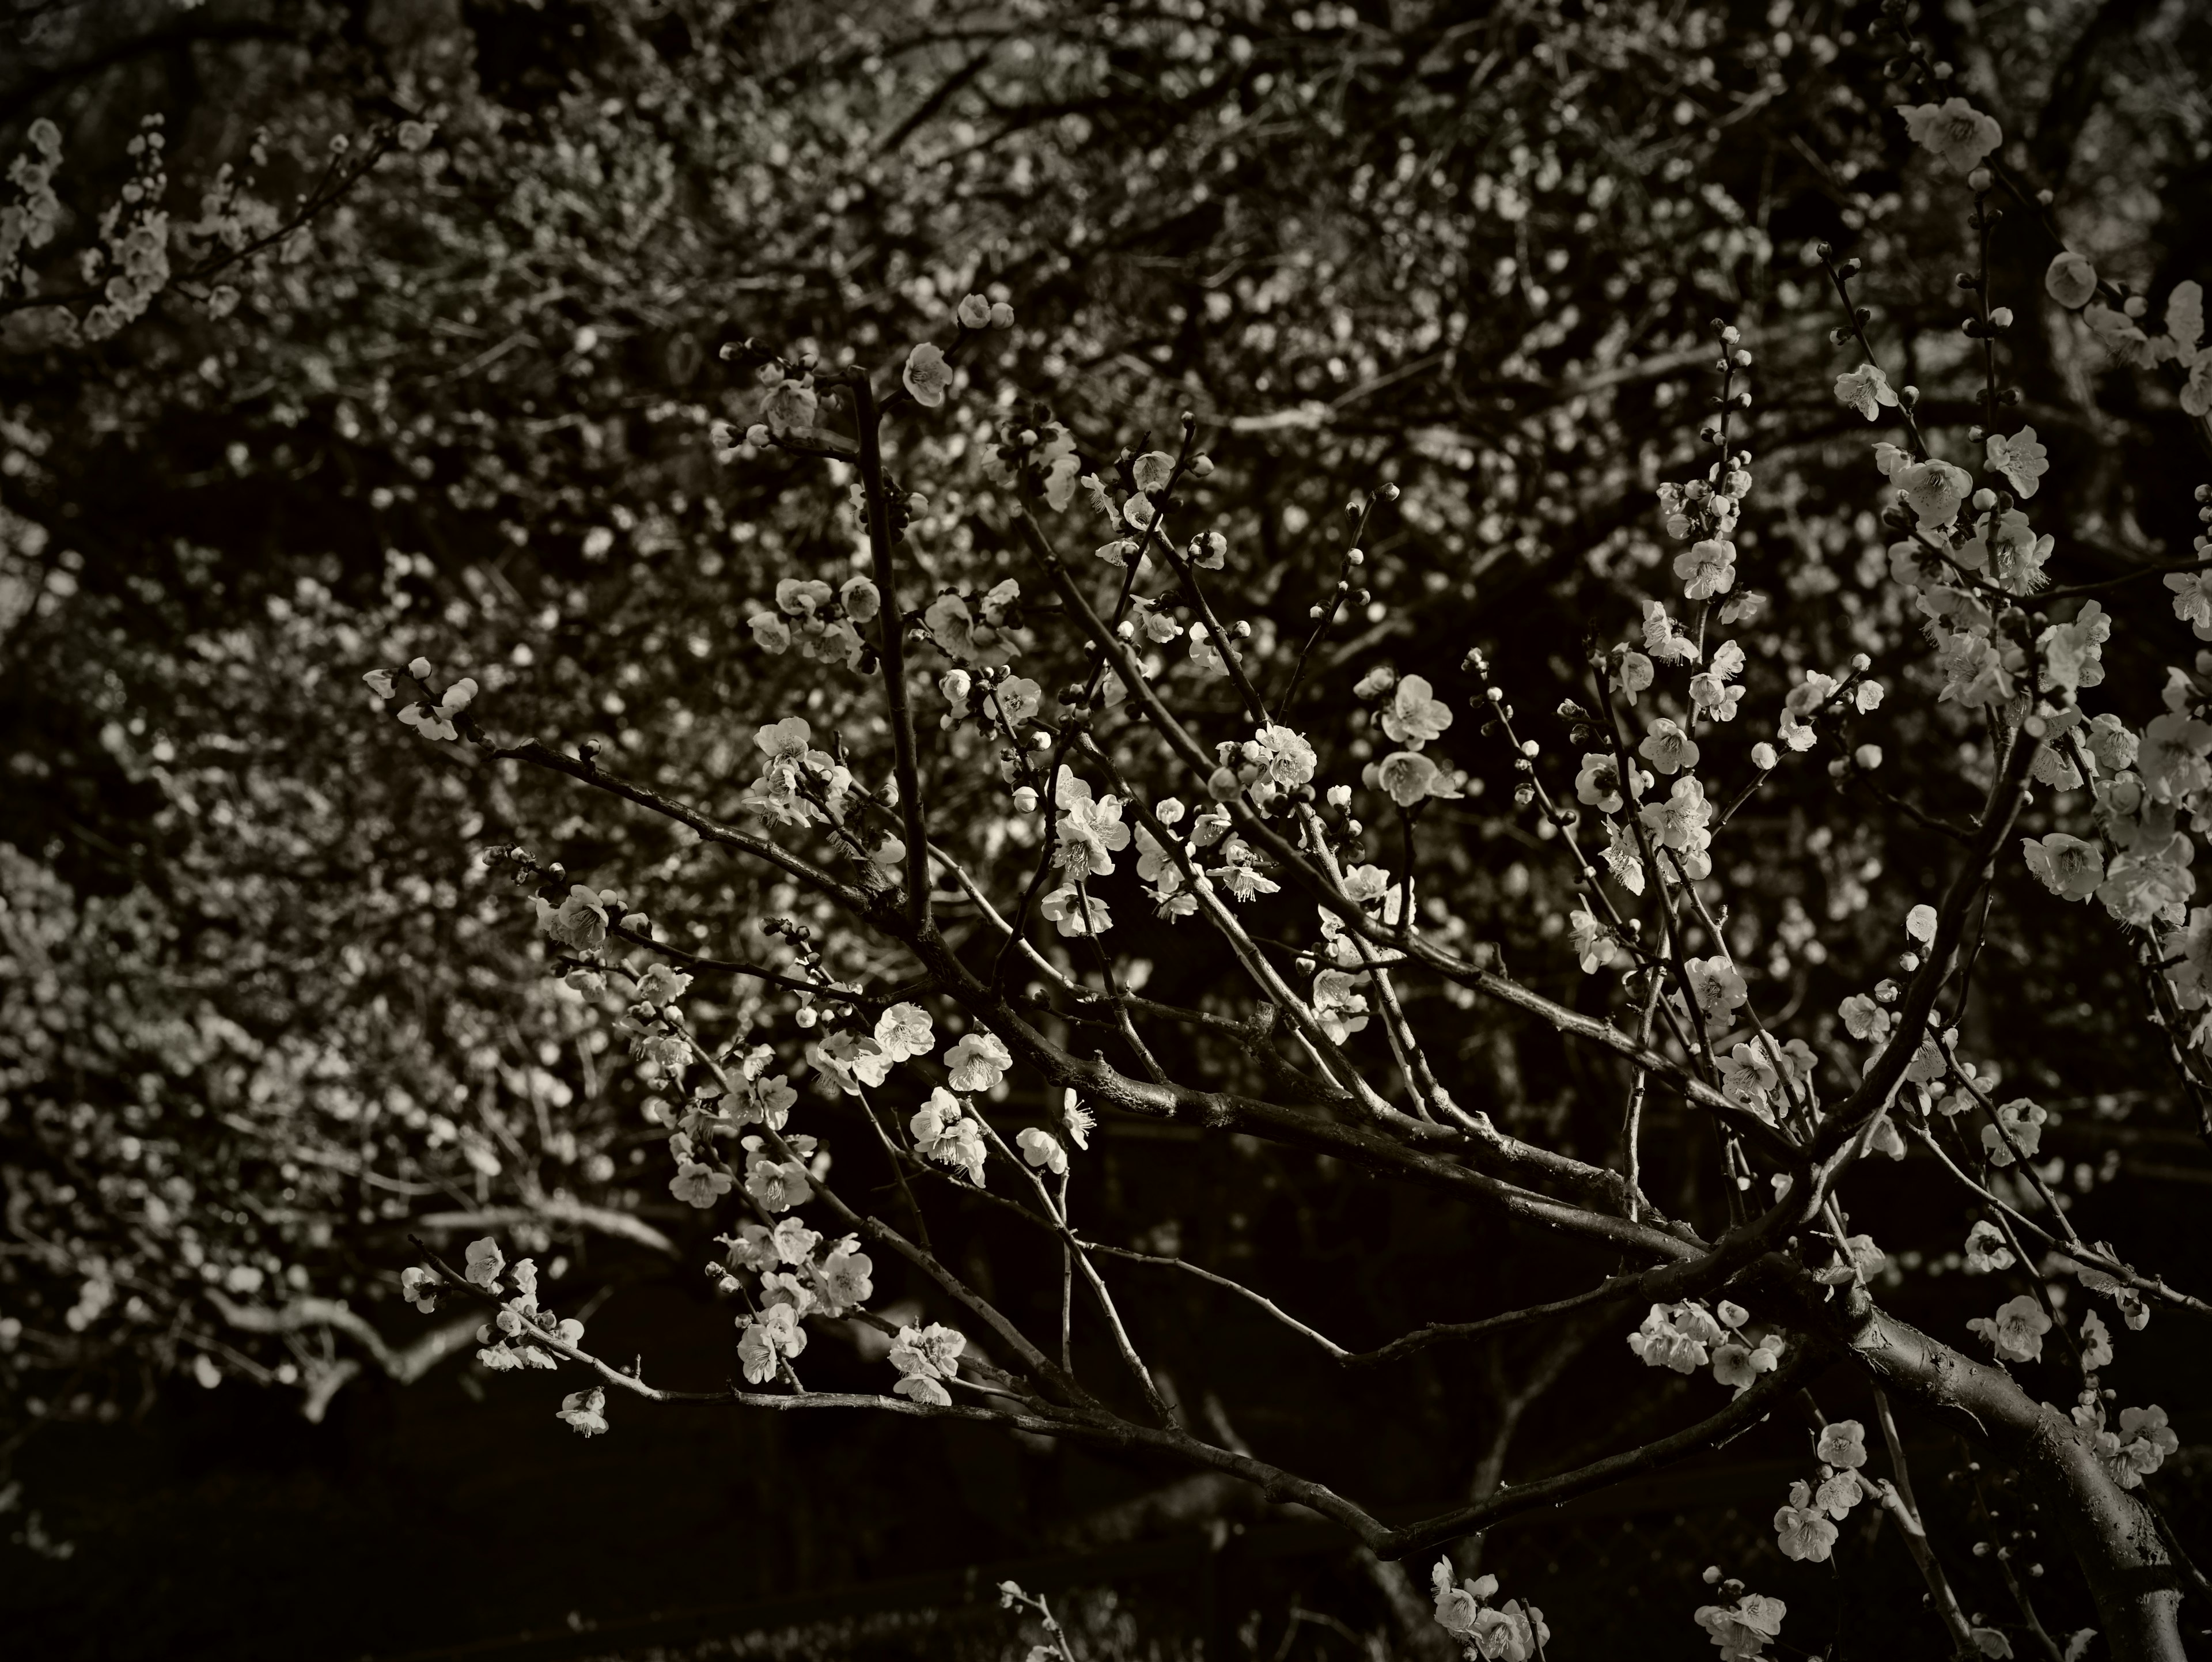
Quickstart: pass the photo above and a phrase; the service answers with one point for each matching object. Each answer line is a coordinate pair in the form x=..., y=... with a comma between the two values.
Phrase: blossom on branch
x=1954, y=131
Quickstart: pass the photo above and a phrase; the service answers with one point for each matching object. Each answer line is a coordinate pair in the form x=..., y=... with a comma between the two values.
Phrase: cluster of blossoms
x=506, y=1341
x=964, y=626
x=1685, y=1336
x=2142, y=785
x=927, y=376
x=131, y=262
x=30, y=222
x=1512, y=1632
x=2137, y=1449
x=798, y=785
x=925, y=1358
x=795, y=1278
x=1964, y=556
x=433, y=716
x=1413, y=717
x=1805, y=1526
x=1743, y=1627
x=821, y=621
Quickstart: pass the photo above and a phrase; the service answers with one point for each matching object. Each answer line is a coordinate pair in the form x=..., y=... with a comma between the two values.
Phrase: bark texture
x=2112, y=1535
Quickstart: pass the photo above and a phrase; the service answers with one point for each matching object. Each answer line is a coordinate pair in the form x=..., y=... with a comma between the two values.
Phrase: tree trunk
x=2112, y=1535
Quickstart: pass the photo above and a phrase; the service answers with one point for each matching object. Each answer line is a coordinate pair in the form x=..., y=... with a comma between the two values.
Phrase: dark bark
x=2113, y=1537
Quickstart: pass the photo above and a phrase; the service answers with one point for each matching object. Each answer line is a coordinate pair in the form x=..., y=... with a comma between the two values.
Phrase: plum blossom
x=925, y=1357
x=1742, y=1630
x=660, y=985
x=1706, y=568
x=2073, y=653
x=699, y=1184
x=1676, y=1336
x=1866, y=390
x=1597, y=784
x=769, y=1338
x=2016, y=1330
x=484, y=1262
x=1415, y=715
x=2142, y=1443
x=1953, y=131
x=1842, y=1443
x=2070, y=280
x=777, y=1185
x=927, y=376
x=1802, y=1528
x=2192, y=599
x=1089, y=830
x=1934, y=491
x=580, y=920
x=2020, y=1126
x=2067, y=866
x=1152, y=471
x=1042, y=1149
x=1457, y=1607
x=1747, y=1076
x=2021, y=458
x=903, y=1031
x=1074, y=913
x=1681, y=821
x=849, y=1061
x=978, y=1061
x=943, y=1132
x=791, y=405
x=951, y=625
x=1709, y=692
x=845, y=1277
x=1717, y=986
x=2096, y=1341
x=583, y=1411
x=419, y=1286
x=1986, y=1251
x=1595, y=947
x=1738, y=1365
x=1668, y=747
x=1409, y=777
x=1635, y=674
x=1665, y=639
x=1338, y=1003
x=1865, y=1019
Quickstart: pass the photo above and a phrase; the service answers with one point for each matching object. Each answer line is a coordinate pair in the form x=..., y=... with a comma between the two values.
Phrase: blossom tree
x=1095, y=742
x=209, y=1160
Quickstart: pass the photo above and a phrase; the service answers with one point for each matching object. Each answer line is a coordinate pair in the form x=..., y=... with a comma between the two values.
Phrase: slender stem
x=892, y=631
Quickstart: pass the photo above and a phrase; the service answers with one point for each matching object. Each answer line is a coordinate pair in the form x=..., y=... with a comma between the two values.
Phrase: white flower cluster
x=506, y=1339
x=1805, y=1526
x=1512, y=1632
x=1685, y=1336
x=822, y=622
x=1743, y=1628
x=432, y=719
